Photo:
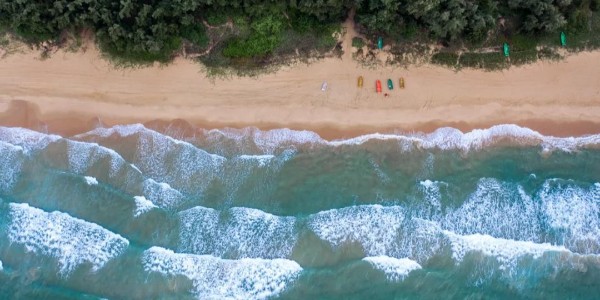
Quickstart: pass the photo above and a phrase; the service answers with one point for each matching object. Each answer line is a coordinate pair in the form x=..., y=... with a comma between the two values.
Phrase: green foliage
x=380, y=15
x=523, y=57
x=196, y=34
x=445, y=59
x=547, y=53
x=409, y=30
x=358, y=42
x=325, y=11
x=595, y=5
x=540, y=15
x=216, y=17
x=265, y=36
x=521, y=42
x=579, y=21
x=144, y=31
x=488, y=61
x=304, y=23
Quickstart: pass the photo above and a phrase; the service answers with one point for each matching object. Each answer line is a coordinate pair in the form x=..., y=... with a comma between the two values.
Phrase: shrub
x=216, y=17
x=196, y=34
x=445, y=59
x=488, y=61
x=521, y=42
x=358, y=42
x=523, y=57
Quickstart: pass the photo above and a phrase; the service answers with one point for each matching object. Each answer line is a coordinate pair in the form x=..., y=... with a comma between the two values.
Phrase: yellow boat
x=401, y=85
x=360, y=81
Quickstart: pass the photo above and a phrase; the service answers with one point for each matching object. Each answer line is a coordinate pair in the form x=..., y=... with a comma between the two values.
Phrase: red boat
x=378, y=86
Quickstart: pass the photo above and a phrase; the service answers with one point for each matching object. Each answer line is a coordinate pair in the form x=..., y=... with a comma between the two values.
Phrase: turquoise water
x=132, y=212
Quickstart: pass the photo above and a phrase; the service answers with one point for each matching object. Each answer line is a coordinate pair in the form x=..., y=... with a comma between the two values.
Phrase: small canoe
x=380, y=43
x=563, y=39
x=390, y=84
x=378, y=86
x=360, y=81
x=401, y=82
x=324, y=86
x=506, y=49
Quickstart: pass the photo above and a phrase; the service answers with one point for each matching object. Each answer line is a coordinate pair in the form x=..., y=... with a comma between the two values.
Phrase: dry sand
x=71, y=90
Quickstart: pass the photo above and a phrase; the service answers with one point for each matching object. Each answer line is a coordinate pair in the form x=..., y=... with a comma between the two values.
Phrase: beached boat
x=390, y=84
x=378, y=86
x=506, y=49
x=563, y=39
x=360, y=81
x=401, y=83
x=380, y=43
x=324, y=86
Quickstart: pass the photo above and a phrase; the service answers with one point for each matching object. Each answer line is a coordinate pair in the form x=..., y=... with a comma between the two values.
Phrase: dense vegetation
x=251, y=32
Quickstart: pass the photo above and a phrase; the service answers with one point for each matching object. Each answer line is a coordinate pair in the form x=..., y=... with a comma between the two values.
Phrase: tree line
x=153, y=30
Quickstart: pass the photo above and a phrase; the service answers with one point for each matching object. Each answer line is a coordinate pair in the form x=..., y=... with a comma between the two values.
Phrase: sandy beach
x=69, y=91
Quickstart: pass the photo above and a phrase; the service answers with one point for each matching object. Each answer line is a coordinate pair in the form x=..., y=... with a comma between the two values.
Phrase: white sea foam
x=161, y=194
x=29, y=140
x=268, y=141
x=375, y=227
x=199, y=228
x=142, y=205
x=166, y=159
x=262, y=160
x=71, y=241
x=90, y=180
x=573, y=211
x=11, y=163
x=506, y=251
x=135, y=168
x=395, y=269
x=420, y=240
x=216, y=278
x=431, y=191
x=498, y=209
x=443, y=138
x=239, y=232
x=83, y=155
x=121, y=130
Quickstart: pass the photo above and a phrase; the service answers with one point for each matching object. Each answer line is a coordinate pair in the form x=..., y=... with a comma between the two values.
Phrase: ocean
x=135, y=212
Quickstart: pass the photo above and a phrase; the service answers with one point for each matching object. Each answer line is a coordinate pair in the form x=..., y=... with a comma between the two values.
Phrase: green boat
x=390, y=84
x=506, y=49
x=563, y=39
x=380, y=43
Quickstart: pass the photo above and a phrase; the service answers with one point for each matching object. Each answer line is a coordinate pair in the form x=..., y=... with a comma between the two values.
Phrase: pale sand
x=559, y=98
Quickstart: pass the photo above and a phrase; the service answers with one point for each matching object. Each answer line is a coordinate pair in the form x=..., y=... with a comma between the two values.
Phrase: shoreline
x=25, y=114
x=69, y=92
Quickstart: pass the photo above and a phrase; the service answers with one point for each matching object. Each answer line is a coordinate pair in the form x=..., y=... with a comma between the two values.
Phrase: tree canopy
x=153, y=30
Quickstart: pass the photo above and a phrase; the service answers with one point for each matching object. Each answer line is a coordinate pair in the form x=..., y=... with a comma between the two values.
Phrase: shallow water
x=132, y=213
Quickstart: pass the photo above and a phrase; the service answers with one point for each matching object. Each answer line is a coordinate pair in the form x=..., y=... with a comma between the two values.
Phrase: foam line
x=216, y=278
x=71, y=241
x=29, y=140
x=506, y=251
x=142, y=205
x=245, y=232
x=375, y=227
x=446, y=138
x=395, y=269
x=11, y=163
x=89, y=180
